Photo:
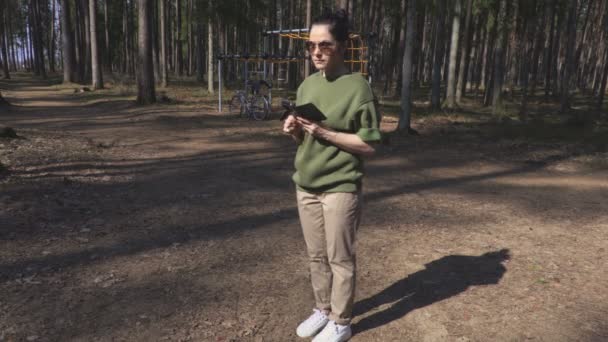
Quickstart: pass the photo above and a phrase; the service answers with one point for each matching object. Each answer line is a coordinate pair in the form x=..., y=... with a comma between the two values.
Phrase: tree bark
x=87, y=39
x=529, y=48
x=439, y=54
x=210, y=50
x=179, y=67
x=3, y=35
x=401, y=49
x=451, y=91
x=406, y=88
x=600, y=100
x=125, y=39
x=499, y=59
x=200, y=65
x=550, y=15
x=308, y=22
x=67, y=37
x=569, y=61
x=37, y=39
x=465, y=59
x=145, y=76
x=164, y=79
x=583, y=40
x=96, y=75
x=107, y=36
x=51, y=42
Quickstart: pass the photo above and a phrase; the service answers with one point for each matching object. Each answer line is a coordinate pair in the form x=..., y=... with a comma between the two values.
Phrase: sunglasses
x=325, y=47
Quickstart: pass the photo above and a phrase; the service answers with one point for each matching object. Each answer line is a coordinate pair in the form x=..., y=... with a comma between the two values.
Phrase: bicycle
x=256, y=105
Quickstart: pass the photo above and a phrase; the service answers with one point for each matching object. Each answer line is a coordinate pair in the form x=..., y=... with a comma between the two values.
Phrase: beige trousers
x=329, y=223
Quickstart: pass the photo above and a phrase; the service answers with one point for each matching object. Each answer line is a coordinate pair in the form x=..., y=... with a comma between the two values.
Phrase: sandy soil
x=177, y=223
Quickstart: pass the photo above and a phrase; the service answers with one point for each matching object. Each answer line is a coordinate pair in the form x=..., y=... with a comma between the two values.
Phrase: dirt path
x=173, y=222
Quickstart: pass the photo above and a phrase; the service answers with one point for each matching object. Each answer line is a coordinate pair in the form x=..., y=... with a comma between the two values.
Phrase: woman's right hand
x=291, y=125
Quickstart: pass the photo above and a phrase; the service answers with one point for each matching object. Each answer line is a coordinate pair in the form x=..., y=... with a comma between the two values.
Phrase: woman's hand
x=291, y=125
x=311, y=127
x=346, y=141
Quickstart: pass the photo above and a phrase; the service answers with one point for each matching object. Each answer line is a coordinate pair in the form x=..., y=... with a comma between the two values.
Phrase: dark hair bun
x=337, y=21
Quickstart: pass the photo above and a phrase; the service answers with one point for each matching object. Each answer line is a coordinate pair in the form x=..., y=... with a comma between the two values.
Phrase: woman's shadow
x=440, y=279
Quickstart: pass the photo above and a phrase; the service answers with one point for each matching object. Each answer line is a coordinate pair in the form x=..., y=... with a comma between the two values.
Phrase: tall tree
x=406, y=88
x=106, y=23
x=451, y=91
x=210, y=48
x=67, y=38
x=179, y=67
x=37, y=41
x=87, y=39
x=308, y=21
x=163, y=44
x=3, y=35
x=569, y=60
x=200, y=58
x=145, y=75
x=465, y=59
x=499, y=59
x=550, y=15
x=439, y=55
x=51, y=42
x=97, y=77
x=600, y=100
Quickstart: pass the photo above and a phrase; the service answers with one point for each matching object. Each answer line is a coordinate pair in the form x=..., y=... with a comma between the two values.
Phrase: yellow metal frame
x=357, y=49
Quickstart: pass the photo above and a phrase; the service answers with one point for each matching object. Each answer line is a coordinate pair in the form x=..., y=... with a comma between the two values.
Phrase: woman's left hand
x=311, y=127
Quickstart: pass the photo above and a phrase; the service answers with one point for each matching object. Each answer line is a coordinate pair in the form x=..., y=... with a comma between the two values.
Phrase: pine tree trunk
x=499, y=59
x=530, y=48
x=569, y=61
x=308, y=21
x=406, y=88
x=67, y=38
x=145, y=75
x=179, y=66
x=451, y=86
x=210, y=50
x=466, y=58
x=579, y=49
x=489, y=59
x=199, y=52
x=540, y=40
x=600, y=100
x=51, y=42
x=107, y=36
x=87, y=40
x=191, y=39
x=97, y=77
x=401, y=49
x=439, y=54
x=3, y=35
x=163, y=44
x=125, y=38
x=480, y=47
x=556, y=84
x=548, y=58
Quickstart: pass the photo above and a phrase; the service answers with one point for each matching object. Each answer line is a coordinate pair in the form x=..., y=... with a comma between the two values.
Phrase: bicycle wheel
x=236, y=105
x=260, y=108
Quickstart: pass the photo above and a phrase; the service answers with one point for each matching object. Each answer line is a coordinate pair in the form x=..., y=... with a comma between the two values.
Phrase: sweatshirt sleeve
x=367, y=121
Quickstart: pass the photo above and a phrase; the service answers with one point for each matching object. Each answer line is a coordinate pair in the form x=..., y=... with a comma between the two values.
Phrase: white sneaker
x=313, y=324
x=334, y=333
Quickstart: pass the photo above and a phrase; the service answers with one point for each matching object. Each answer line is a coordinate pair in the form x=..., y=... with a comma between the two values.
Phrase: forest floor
x=174, y=222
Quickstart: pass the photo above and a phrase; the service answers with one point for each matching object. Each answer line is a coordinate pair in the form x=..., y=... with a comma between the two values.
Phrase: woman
x=329, y=171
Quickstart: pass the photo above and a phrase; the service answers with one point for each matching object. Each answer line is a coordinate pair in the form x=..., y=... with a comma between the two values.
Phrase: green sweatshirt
x=348, y=104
